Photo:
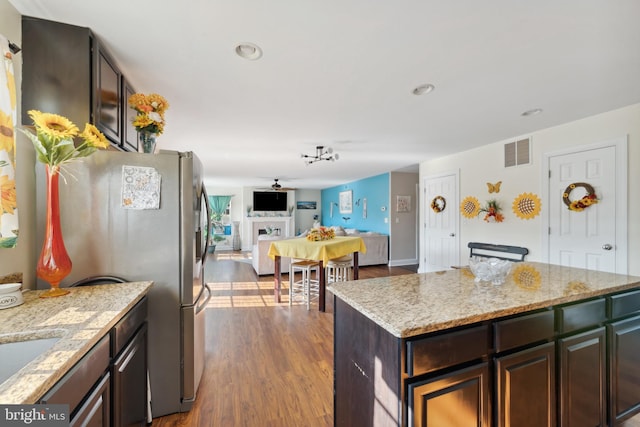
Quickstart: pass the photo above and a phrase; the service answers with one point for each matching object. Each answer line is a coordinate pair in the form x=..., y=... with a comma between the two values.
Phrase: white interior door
x=587, y=239
x=441, y=228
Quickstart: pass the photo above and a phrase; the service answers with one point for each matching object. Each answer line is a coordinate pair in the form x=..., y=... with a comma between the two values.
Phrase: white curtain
x=8, y=200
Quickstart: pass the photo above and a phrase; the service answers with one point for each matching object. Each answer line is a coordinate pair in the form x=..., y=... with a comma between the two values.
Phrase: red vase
x=54, y=263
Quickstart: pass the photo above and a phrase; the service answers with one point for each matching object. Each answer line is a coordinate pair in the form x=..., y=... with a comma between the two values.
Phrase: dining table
x=321, y=251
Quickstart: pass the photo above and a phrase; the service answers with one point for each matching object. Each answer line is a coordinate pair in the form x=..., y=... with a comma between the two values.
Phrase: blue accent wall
x=375, y=189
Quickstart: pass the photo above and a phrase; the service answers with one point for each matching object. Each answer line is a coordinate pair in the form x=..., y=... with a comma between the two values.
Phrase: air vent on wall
x=517, y=153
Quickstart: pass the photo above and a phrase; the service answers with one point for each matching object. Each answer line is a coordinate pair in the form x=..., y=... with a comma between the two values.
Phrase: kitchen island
x=551, y=346
x=90, y=326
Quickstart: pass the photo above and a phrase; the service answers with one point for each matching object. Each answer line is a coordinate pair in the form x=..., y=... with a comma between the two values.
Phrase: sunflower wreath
x=438, y=204
x=581, y=204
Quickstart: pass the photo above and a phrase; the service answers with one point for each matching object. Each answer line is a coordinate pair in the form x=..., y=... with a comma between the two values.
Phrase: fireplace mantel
x=284, y=223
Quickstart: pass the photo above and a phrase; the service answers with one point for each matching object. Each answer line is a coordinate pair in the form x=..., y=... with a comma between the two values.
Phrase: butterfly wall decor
x=494, y=188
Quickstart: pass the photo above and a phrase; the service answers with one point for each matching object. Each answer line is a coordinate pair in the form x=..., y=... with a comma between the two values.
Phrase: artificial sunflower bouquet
x=150, y=109
x=54, y=139
x=321, y=233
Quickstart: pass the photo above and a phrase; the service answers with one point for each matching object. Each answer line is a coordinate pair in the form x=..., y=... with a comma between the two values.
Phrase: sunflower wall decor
x=580, y=204
x=492, y=211
x=527, y=277
x=438, y=204
x=526, y=206
x=470, y=207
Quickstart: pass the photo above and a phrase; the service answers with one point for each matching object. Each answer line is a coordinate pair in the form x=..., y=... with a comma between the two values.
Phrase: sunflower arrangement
x=150, y=109
x=54, y=139
x=321, y=233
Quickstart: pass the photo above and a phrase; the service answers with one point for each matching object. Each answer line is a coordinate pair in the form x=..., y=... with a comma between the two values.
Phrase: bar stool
x=306, y=287
x=339, y=269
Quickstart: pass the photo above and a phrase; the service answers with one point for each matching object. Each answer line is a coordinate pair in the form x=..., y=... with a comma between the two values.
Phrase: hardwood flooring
x=267, y=364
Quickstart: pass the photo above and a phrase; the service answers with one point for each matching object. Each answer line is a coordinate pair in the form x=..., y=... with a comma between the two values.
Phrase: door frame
x=423, y=217
x=621, y=149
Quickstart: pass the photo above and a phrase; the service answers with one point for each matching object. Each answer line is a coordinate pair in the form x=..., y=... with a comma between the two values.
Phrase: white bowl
x=492, y=270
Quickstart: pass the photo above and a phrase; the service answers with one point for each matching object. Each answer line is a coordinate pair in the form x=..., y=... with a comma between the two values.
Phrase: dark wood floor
x=267, y=364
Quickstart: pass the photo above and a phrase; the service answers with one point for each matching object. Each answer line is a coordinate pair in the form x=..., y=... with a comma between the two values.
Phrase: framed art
x=306, y=205
x=403, y=204
x=346, y=201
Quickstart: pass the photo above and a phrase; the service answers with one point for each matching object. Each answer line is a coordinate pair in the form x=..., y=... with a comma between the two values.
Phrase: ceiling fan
x=276, y=186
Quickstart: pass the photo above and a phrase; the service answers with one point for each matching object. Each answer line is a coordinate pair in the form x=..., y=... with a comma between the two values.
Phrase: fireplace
x=281, y=226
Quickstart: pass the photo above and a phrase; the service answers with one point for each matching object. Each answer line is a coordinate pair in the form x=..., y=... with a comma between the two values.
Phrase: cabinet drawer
x=523, y=330
x=72, y=388
x=448, y=349
x=127, y=326
x=624, y=304
x=581, y=315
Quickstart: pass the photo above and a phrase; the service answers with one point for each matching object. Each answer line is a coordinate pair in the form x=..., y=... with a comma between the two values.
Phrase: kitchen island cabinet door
x=526, y=386
x=624, y=373
x=582, y=360
x=460, y=398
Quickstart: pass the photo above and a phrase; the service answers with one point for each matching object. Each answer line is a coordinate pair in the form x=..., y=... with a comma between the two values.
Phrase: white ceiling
x=341, y=74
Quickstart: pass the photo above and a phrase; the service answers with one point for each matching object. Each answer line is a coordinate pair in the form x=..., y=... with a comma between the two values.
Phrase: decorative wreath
x=470, y=207
x=527, y=277
x=438, y=204
x=526, y=206
x=581, y=204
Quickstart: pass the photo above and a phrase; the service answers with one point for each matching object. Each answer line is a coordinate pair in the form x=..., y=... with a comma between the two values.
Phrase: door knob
x=607, y=247
x=452, y=235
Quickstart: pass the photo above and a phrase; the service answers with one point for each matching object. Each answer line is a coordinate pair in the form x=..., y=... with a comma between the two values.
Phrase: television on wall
x=269, y=201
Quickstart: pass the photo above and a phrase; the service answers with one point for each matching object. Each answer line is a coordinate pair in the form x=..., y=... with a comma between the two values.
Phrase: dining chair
x=339, y=269
x=307, y=287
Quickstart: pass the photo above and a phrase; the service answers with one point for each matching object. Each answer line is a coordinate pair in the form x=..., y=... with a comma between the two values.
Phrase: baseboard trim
x=401, y=262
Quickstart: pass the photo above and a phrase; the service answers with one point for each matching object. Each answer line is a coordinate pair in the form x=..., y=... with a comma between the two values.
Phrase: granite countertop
x=80, y=319
x=415, y=304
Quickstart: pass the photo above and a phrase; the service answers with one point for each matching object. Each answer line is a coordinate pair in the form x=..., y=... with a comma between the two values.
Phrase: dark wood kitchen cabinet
x=570, y=365
x=67, y=71
x=623, y=335
x=526, y=387
x=108, y=386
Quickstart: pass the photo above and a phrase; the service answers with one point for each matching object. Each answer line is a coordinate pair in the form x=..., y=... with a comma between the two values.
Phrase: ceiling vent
x=517, y=153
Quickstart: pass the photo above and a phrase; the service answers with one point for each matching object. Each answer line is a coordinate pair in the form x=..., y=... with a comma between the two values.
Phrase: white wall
x=22, y=258
x=403, y=227
x=485, y=164
x=304, y=217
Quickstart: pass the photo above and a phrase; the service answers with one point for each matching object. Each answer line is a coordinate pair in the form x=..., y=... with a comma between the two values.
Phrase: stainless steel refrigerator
x=144, y=217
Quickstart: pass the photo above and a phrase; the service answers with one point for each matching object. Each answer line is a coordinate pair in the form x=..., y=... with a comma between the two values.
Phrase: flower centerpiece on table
x=149, y=121
x=492, y=211
x=55, y=147
x=321, y=233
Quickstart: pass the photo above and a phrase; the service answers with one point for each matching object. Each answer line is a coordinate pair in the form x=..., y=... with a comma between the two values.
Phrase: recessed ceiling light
x=249, y=51
x=532, y=112
x=422, y=89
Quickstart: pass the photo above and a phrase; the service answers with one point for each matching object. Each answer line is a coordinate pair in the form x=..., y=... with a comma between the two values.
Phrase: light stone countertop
x=80, y=319
x=415, y=304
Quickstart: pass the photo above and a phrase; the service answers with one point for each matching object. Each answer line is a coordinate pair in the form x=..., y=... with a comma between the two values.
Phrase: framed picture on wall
x=346, y=201
x=403, y=204
x=306, y=205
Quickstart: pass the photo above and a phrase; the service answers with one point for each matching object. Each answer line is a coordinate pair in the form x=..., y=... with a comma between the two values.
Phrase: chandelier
x=321, y=154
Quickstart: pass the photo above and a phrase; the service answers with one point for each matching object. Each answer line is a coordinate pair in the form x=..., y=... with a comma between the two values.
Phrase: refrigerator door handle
x=203, y=305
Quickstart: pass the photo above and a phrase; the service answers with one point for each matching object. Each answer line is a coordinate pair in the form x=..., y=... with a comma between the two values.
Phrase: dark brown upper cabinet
x=67, y=71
